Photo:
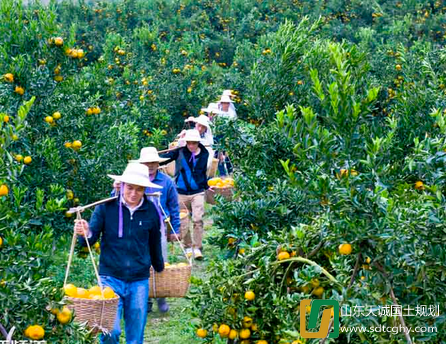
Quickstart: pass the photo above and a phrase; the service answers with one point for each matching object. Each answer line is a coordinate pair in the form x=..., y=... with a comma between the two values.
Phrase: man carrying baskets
x=129, y=228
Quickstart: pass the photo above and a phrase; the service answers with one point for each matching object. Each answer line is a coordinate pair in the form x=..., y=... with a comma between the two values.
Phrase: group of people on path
x=132, y=227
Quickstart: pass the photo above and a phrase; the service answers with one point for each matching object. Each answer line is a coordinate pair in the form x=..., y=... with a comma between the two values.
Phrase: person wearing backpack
x=191, y=181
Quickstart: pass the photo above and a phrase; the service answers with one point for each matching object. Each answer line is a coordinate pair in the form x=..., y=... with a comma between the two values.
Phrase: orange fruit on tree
x=297, y=342
x=419, y=185
x=58, y=41
x=215, y=328
x=57, y=115
x=67, y=144
x=35, y=332
x=247, y=322
x=64, y=316
x=202, y=333
x=262, y=342
x=245, y=333
x=49, y=119
x=318, y=291
x=3, y=190
x=249, y=295
x=18, y=157
x=224, y=330
x=283, y=255
x=1, y=242
x=70, y=290
x=8, y=77
x=76, y=144
x=27, y=159
x=254, y=327
x=233, y=334
x=19, y=90
x=6, y=118
x=345, y=249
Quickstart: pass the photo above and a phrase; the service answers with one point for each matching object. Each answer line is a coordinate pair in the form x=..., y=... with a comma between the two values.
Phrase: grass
x=175, y=327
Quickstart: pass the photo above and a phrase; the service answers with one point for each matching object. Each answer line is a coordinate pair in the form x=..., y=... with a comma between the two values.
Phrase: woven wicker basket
x=226, y=192
x=172, y=282
x=100, y=315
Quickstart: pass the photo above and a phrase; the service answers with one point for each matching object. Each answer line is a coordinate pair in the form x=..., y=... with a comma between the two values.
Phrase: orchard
x=339, y=153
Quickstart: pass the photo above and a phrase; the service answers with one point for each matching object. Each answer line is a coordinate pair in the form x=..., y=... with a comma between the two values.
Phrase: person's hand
x=211, y=188
x=173, y=237
x=117, y=186
x=81, y=227
x=182, y=134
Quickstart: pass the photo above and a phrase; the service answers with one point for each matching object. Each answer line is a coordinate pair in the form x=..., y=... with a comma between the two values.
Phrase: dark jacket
x=185, y=184
x=127, y=258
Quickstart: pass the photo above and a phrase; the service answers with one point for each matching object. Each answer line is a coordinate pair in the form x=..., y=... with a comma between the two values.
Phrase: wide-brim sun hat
x=228, y=93
x=136, y=174
x=192, y=135
x=149, y=154
x=212, y=108
x=225, y=99
x=203, y=120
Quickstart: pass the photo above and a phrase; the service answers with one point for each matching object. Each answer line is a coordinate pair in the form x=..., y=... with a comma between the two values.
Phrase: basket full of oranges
x=221, y=186
x=93, y=306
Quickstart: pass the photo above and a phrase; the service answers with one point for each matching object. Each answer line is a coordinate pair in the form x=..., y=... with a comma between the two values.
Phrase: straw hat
x=228, y=93
x=225, y=99
x=212, y=108
x=192, y=135
x=136, y=174
x=203, y=120
x=149, y=154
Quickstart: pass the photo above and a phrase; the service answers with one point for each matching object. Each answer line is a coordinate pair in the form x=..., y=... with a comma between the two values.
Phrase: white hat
x=136, y=174
x=225, y=99
x=149, y=154
x=228, y=93
x=203, y=120
x=212, y=108
x=192, y=135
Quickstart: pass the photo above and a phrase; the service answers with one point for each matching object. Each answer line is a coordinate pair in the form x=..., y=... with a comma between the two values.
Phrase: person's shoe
x=197, y=254
x=149, y=306
x=189, y=252
x=163, y=306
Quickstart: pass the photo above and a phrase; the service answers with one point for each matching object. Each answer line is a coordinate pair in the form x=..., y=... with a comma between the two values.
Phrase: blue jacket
x=128, y=258
x=190, y=178
x=168, y=199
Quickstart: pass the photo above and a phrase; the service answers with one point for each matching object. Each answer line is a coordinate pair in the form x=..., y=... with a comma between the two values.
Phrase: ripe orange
x=70, y=290
x=224, y=330
x=249, y=295
x=19, y=90
x=57, y=115
x=109, y=293
x=8, y=77
x=245, y=333
x=67, y=144
x=3, y=190
x=49, y=119
x=64, y=316
x=345, y=249
x=283, y=255
x=76, y=144
x=262, y=342
x=27, y=160
x=419, y=185
x=58, y=41
x=202, y=333
x=1, y=243
x=95, y=290
x=82, y=293
x=35, y=332
x=254, y=327
x=233, y=334
x=14, y=137
x=6, y=118
x=18, y=157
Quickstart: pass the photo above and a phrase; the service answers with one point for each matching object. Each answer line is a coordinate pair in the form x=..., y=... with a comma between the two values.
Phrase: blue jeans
x=133, y=303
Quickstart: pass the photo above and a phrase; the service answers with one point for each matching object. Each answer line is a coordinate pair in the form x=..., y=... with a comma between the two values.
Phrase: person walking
x=129, y=230
x=191, y=182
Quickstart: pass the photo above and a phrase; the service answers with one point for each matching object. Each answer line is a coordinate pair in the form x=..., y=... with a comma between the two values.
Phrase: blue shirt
x=168, y=198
